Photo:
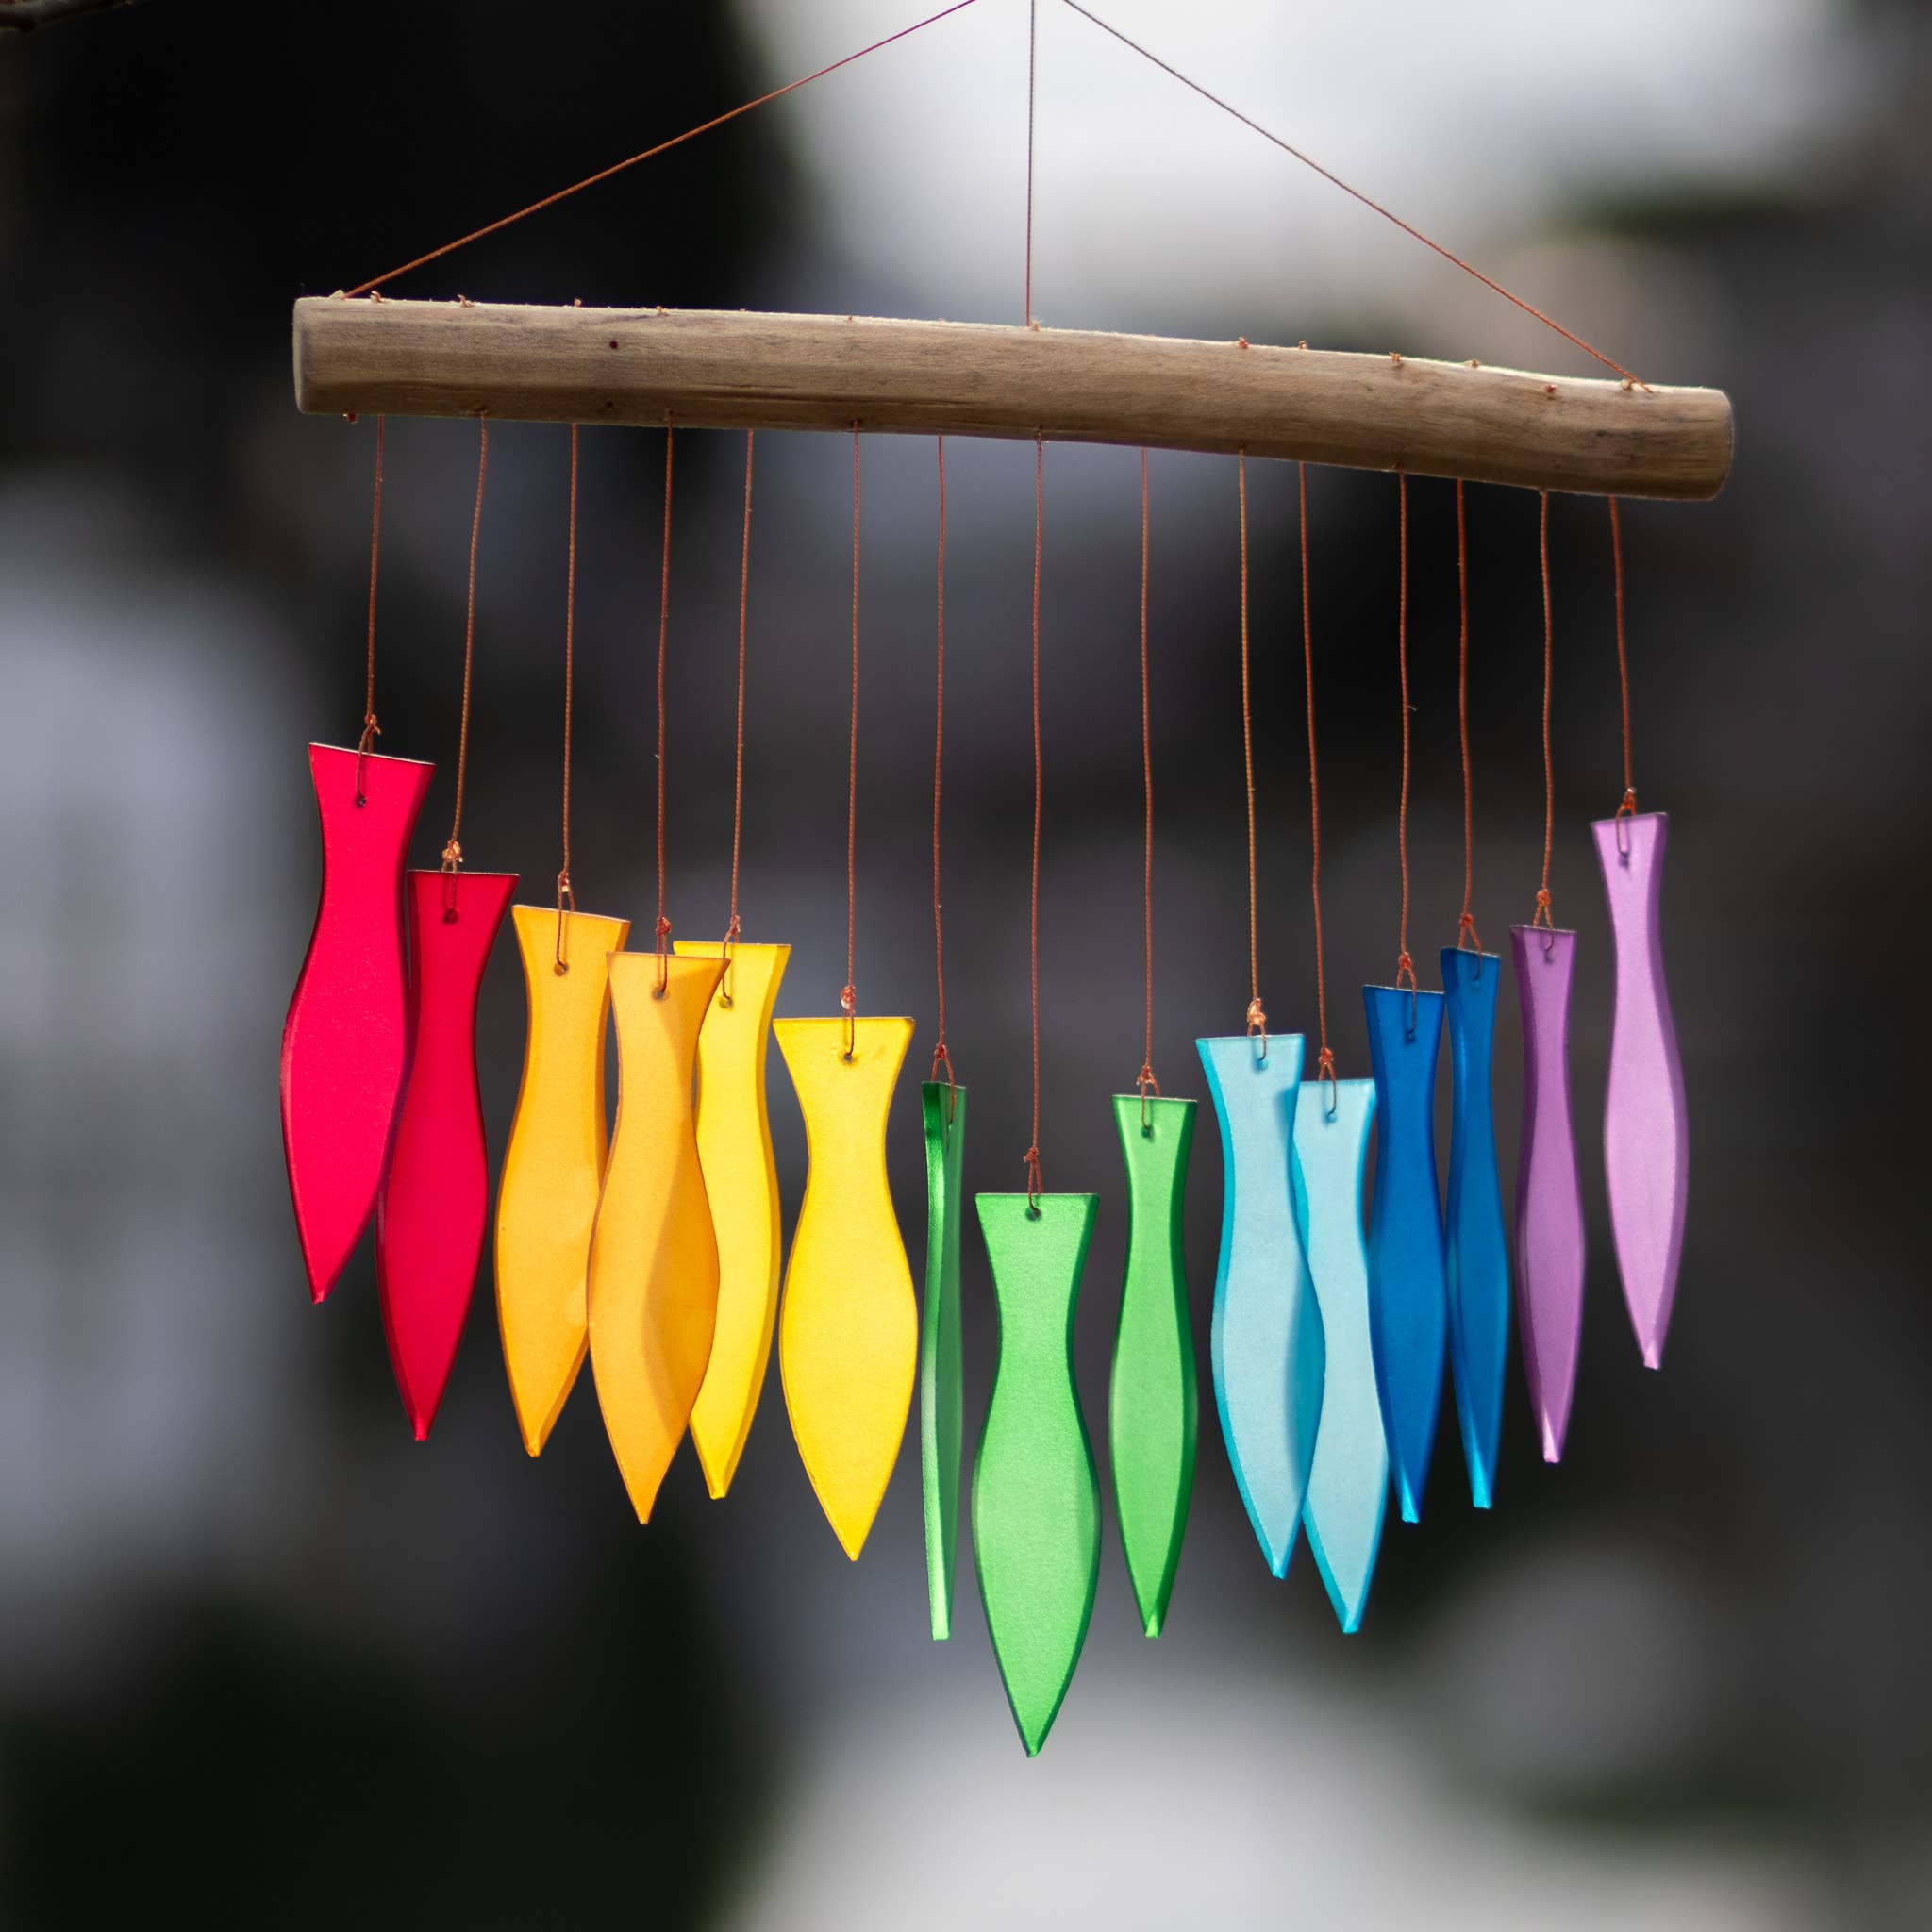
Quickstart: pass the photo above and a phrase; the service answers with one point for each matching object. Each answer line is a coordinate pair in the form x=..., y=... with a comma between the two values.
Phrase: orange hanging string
x=1334, y=180
x=1465, y=926
x=651, y=153
x=1542, y=916
x=940, y=1057
x=1628, y=805
x=453, y=850
x=1257, y=1019
x=848, y=996
x=1146, y=1081
x=1324, y=1066
x=1032, y=1155
x=725, y=990
x=566, y=899
x=663, y=630
x=371, y=730
x=1405, y=966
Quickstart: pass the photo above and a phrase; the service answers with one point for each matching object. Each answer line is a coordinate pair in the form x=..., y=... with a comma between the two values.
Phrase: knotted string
x=371, y=730
x=1258, y=1018
x=1144, y=1080
x=727, y=991
x=1627, y=807
x=566, y=899
x=1542, y=916
x=453, y=850
x=1324, y=1065
x=1465, y=926
x=940, y=1057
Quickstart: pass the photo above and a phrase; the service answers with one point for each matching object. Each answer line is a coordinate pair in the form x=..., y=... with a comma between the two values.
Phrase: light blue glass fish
x=1267, y=1348
x=1348, y=1485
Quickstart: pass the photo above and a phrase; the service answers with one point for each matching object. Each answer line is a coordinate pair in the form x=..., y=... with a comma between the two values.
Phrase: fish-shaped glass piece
x=742, y=1183
x=1549, y=1201
x=1036, y=1496
x=553, y=1165
x=1152, y=1402
x=1265, y=1344
x=345, y=1041
x=433, y=1210
x=1348, y=1483
x=653, y=1283
x=1477, y=1240
x=848, y=1328
x=1409, y=1294
x=941, y=1390
x=1646, y=1130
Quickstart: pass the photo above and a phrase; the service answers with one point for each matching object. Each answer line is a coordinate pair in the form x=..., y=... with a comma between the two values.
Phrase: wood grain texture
x=726, y=370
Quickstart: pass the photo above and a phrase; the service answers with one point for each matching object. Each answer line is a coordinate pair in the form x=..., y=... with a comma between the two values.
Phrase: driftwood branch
x=735, y=371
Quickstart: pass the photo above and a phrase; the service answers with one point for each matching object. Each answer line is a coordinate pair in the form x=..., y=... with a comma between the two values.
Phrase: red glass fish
x=434, y=1205
x=345, y=1041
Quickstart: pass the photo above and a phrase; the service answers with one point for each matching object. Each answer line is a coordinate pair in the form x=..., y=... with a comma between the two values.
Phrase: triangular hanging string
x=1387, y=214
x=650, y=153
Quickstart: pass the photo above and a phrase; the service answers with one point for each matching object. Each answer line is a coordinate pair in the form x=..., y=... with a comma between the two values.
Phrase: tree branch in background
x=23, y=16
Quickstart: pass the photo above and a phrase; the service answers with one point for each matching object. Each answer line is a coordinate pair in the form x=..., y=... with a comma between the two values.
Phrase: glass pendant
x=552, y=1166
x=1152, y=1404
x=1348, y=1483
x=848, y=1328
x=1646, y=1135
x=653, y=1299
x=734, y=1132
x=345, y=1042
x=941, y=1394
x=1477, y=1242
x=1266, y=1344
x=1036, y=1496
x=1549, y=1202
x=434, y=1207
x=1409, y=1295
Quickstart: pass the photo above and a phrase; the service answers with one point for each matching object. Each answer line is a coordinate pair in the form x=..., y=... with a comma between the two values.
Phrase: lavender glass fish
x=1647, y=1143
x=1549, y=1202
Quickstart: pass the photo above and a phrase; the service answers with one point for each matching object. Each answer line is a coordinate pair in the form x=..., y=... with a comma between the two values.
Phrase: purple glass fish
x=1647, y=1143
x=1549, y=1202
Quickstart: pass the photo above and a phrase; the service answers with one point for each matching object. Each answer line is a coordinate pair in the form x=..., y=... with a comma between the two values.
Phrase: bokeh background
x=264, y=1660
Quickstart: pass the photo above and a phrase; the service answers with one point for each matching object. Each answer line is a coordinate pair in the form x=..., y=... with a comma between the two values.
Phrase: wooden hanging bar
x=734, y=369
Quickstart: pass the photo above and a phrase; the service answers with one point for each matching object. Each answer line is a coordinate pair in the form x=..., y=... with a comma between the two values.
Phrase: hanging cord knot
x=452, y=866
x=663, y=951
x=727, y=950
x=1545, y=919
x=1031, y=1157
x=1625, y=809
x=940, y=1057
x=566, y=905
x=1404, y=973
x=1258, y=1023
x=371, y=731
x=1324, y=1072
x=1146, y=1083
x=848, y=1005
x=1465, y=929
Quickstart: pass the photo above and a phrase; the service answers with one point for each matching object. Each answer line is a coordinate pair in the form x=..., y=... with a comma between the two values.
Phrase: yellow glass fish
x=741, y=1180
x=654, y=1258
x=552, y=1168
x=848, y=1333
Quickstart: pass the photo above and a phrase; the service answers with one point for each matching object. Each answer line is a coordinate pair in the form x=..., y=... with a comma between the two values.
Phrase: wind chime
x=651, y=1246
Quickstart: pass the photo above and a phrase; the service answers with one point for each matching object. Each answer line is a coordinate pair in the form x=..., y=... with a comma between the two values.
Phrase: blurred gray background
x=263, y=1660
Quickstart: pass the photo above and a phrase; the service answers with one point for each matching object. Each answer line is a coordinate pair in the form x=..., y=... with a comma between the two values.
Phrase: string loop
x=727, y=989
x=1032, y=1153
x=1627, y=807
x=1465, y=926
x=371, y=730
x=1145, y=1079
x=566, y=899
x=1542, y=916
x=848, y=997
x=1258, y=1020
x=1326, y=1061
x=940, y=1057
x=663, y=927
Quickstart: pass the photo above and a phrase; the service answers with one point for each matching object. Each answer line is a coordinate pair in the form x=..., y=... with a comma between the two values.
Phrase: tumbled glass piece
x=742, y=1182
x=552, y=1166
x=1151, y=1403
x=848, y=1328
x=434, y=1207
x=1477, y=1241
x=1036, y=1496
x=345, y=1042
x=941, y=1390
x=652, y=1300
x=1549, y=1202
x=1265, y=1344
x=1408, y=1293
x=1646, y=1131
x=1348, y=1482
